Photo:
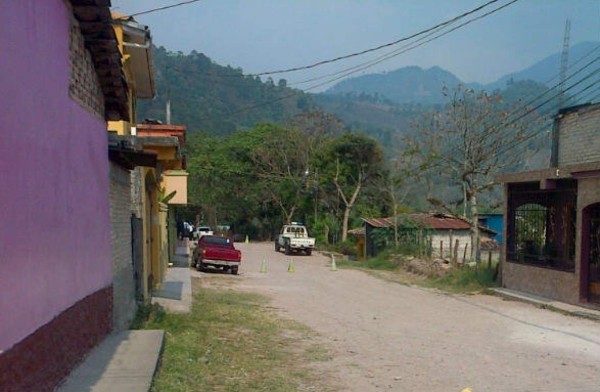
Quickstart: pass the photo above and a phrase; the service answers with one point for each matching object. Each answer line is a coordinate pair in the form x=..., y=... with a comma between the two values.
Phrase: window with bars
x=541, y=225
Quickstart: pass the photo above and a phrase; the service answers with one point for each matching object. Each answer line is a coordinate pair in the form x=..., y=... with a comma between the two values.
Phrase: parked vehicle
x=294, y=238
x=218, y=252
x=202, y=231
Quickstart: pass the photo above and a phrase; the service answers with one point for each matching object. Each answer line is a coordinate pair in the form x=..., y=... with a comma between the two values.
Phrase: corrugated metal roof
x=435, y=221
x=379, y=222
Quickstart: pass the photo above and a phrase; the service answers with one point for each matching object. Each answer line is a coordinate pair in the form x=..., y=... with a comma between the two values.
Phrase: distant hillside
x=404, y=85
x=216, y=99
x=547, y=70
x=388, y=121
x=424, y=86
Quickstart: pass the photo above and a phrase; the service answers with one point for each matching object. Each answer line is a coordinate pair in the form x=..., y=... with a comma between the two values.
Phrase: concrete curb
x=123, y=362
x=573, y=310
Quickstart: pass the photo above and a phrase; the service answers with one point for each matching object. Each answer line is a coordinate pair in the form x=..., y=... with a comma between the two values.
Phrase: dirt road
x=387, y=336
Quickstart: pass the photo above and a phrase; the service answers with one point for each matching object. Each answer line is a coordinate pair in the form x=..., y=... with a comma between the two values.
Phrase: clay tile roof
x=434, y=221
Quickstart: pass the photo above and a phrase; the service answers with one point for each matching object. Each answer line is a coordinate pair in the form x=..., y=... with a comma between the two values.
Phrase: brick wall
x=545, y=282
x=124, y=304
x=579, y=136
x=84, y=86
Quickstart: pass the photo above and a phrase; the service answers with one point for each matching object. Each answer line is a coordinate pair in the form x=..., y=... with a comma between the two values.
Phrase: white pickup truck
x=294, y=238
x=202, y=231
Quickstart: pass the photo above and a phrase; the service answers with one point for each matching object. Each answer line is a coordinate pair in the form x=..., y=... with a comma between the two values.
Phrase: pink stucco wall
x=54, y=183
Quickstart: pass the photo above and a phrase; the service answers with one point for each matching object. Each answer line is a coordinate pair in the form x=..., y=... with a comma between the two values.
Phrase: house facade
x=552, y=216
x=141, y=162
x=130, y=239
x=61, y=81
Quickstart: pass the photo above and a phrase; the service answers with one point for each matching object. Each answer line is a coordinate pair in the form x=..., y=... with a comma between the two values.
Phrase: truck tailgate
x=221, y=253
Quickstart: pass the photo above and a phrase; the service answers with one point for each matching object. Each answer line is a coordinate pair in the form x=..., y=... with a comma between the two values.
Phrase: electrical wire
x=406, y=48
x=414, y=46
x=537, y=106
x=536, y=132
x=376, y=48
x=161, y=8
x=395, y=53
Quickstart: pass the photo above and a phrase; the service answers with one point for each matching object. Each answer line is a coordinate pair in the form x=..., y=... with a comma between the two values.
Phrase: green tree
x=282, y=162
x=349, y=163
x=474, y=138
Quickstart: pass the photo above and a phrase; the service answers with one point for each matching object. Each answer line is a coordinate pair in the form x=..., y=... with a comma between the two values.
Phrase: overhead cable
x=162, y=8
x=376, y=48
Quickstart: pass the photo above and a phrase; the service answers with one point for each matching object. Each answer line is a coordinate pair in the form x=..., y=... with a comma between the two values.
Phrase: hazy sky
x=267, y=35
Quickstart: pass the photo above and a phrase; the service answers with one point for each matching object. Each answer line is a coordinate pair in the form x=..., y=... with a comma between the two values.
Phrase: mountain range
x=219, y=100
x=416, y=85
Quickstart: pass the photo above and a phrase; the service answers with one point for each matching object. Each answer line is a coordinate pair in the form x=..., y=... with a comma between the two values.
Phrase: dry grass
x=232, y=342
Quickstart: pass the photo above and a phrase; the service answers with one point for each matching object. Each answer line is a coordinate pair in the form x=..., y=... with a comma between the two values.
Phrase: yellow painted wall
x=124, y=127
x=176, y=180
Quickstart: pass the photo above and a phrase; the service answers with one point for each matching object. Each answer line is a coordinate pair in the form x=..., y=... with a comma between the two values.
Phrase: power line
x=403, y=50
x=511, y=122
x=360, y=53
x=535, y=133
x=161, y=8
x=529, y=110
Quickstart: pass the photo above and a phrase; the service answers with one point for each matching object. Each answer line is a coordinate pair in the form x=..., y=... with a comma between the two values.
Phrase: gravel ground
x=387, y=336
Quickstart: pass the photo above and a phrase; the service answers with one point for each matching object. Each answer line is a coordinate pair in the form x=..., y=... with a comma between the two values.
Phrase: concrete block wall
x=545, y=282
x=84, y=85
x=579, y=136
x=124, y=302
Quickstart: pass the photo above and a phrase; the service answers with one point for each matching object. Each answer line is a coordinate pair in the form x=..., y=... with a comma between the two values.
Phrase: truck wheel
x=308, y=252
x=200, y=266
x=234, y=270
x=288, y=250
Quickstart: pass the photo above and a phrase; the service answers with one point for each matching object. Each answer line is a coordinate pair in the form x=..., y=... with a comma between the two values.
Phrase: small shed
x=361, y=248
x=442, y=233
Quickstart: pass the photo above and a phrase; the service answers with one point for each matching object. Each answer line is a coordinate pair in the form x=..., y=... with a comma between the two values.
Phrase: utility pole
x=168, y=108
x=169, y=111
x=564, y=63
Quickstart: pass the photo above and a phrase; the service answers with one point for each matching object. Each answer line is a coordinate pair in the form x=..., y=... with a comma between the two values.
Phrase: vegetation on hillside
x=260, y=153
x=218, y=100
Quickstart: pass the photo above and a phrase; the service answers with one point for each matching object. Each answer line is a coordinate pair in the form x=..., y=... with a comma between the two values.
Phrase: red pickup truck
x=216, y=251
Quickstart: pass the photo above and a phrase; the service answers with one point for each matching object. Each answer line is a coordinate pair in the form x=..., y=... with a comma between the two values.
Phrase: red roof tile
x=430, y=220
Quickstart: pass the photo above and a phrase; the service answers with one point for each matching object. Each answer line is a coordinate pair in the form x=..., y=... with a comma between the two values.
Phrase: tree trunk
x=289, y=215
x=475, y=251
x=347, y=203
x=345, y=223
x=394, y=209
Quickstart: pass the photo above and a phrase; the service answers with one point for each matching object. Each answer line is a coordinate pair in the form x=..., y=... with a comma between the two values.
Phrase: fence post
x=441, y=249
x=489, y=259
x=430, y=247
x=465, y=254
x=450, y=245
x=455, y=255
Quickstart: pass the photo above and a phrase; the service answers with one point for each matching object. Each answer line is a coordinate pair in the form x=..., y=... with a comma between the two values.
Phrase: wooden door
x=590, y=253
